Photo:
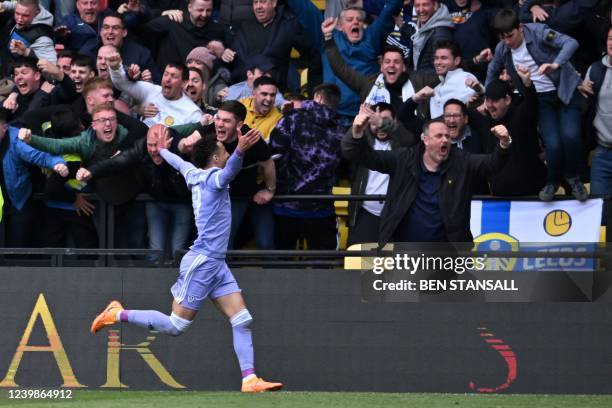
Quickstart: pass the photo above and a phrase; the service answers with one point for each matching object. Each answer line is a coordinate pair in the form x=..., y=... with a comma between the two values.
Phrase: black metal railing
x=107, y=255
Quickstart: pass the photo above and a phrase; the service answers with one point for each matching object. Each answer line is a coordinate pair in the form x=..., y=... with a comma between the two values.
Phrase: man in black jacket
x=525, y=173
x=429, y=194
x=273, y=34
x=384, y=133
x=113, y=32
x=169, y=216
x=195, y=28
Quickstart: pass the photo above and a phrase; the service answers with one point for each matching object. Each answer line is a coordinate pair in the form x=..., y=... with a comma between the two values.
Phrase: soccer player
x=203, y=271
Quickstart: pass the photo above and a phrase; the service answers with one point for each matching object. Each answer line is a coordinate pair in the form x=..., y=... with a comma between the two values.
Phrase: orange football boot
x=107, y=317
x=257, y=384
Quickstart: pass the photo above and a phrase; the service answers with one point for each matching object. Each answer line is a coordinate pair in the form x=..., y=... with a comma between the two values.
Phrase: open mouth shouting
x=78, y=84
x=355, y=32
x=23, y=87
x=444, y=149
x=391, y=76
x=107, y=133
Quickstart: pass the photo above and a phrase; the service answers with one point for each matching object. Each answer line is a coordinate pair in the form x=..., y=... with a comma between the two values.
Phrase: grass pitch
x=193, y=399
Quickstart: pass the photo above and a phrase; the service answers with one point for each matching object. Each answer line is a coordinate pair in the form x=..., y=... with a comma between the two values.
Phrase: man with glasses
x=79, y=31
x=462, y=135
x=104, y=139
x=113, y=32
x=545, y=53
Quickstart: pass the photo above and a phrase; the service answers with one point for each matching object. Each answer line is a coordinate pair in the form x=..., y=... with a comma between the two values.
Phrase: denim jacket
x=545, y=46
x=15, y=167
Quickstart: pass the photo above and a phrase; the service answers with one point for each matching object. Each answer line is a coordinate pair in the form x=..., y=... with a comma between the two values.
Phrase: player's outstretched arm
x=163, y=144
x=234, y=164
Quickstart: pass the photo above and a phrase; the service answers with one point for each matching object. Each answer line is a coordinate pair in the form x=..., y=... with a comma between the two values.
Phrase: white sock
x=248, y=377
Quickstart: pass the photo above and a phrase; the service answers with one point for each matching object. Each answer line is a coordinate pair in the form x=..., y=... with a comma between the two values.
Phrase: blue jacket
x=545, y=45
x=83, y=38
x=362, y=57
x=15, y=167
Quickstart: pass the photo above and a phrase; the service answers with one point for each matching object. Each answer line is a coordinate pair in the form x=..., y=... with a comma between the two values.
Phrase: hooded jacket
x=424, y=40
x=38, y=36
x=309, y=141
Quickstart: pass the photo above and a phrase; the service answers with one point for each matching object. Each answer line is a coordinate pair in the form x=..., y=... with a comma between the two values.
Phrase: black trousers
x=320, y=233
x=61, y=224
x=365, y=229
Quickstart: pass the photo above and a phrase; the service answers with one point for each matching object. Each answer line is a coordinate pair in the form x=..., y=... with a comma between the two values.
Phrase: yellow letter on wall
x=55, y=346
x=112, y=361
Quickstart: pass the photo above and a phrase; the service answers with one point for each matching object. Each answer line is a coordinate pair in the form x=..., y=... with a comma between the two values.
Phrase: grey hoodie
x=603, y=116
x=441, y=18
x=43, y=47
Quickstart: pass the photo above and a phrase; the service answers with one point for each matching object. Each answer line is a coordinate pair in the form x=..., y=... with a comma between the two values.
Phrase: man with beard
x=193, y=29
x=392, y=84
x=261, y=112
x=429, y=194
x=383, y=133
x=174, y=108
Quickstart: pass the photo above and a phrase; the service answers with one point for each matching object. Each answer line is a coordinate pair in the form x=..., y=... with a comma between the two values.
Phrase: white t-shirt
x=521, y=56
x=377, y=183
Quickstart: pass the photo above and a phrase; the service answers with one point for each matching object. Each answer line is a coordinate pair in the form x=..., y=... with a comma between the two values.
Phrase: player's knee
x=241, y=319
x=178, y=325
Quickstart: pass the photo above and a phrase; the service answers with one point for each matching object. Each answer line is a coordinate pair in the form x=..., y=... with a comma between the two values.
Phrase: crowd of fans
x=85, y=88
